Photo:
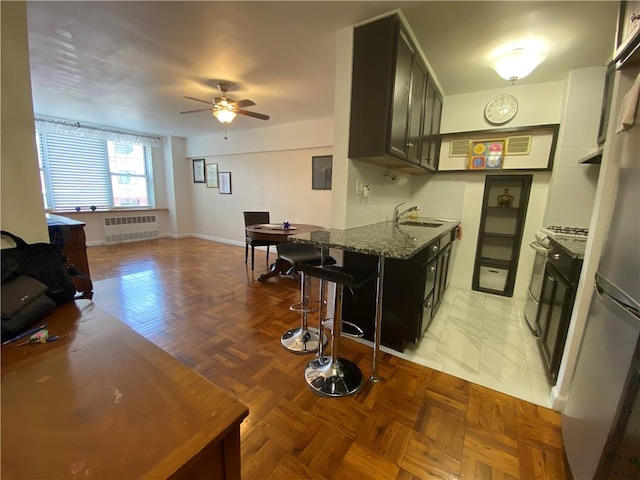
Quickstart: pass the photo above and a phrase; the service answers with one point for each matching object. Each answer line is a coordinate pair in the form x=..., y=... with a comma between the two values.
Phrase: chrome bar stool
x=301, y=340
x=335, y=376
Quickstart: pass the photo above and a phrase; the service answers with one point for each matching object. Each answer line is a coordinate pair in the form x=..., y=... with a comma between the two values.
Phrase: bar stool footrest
x=312, y=307
x=349, y=329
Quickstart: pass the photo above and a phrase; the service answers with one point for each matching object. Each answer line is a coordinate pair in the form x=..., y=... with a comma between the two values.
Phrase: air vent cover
x=520, y=145
x=459, y=148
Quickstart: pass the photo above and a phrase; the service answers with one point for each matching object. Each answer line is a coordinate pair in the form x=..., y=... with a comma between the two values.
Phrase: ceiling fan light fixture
x=517, y=63
x=224, y=115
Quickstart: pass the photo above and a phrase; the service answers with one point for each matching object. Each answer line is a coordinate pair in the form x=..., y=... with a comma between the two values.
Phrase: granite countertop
x=574, y=247
x=401, y=242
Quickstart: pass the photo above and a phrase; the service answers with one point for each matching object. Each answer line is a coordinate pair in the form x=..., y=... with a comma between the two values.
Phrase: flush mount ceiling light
x=517, y=63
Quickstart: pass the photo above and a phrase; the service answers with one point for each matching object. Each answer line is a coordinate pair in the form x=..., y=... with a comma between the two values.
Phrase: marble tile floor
x=484, y=339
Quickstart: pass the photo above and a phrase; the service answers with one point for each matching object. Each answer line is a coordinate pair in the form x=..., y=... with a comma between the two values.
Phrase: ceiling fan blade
x=244, y=103
x=198, y=100
x=199, y=110
x=253, y=114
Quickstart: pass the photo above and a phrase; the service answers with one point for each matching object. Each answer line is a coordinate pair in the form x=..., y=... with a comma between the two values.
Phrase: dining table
x=276, y=232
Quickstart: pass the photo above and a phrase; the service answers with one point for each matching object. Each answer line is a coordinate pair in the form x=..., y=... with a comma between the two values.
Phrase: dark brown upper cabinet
x=628, y=36
x=395, y=106
x=430, y=152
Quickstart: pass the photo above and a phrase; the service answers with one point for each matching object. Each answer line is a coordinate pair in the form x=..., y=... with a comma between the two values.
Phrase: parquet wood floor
x=196, y=300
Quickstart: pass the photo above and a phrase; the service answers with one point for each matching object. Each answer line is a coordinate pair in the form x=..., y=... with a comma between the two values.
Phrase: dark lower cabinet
x=553, y=317
x=413, y=291
x=556, y=304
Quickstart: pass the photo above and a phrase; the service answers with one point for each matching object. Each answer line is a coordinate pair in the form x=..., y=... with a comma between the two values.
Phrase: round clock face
x=501, y=109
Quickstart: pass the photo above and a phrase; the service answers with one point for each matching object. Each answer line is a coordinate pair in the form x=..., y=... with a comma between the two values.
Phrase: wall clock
x=501, y=109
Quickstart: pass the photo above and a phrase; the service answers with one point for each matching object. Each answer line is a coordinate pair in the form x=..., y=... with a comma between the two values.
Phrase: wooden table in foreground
x=280, y=235
x=104, y=402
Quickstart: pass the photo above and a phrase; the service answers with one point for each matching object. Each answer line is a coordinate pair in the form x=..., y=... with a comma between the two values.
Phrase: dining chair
x=255, y=218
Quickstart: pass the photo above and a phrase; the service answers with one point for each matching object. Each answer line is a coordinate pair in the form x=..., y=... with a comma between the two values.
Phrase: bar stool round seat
x=302, y=339
x=335, y=376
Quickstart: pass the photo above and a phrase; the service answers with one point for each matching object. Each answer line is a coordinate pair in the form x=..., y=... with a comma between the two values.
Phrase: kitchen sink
x=421, y=224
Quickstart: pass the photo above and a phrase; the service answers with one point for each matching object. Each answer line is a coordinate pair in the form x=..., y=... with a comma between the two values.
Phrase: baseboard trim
x=557, y=401
x=216, y=239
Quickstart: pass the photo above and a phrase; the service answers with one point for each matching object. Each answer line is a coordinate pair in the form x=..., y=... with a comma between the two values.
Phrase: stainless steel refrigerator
x=598, y=415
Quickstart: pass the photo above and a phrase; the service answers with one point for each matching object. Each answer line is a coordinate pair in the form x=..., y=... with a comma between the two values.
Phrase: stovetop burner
x=555, y=231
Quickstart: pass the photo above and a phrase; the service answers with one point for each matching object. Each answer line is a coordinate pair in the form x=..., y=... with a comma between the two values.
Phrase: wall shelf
x=497, y=251
x=499, y=235
x=593, y=158
x=495, y=262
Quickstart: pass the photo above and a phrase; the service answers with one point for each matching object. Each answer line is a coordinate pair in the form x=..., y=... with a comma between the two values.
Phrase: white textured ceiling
x=129, y=64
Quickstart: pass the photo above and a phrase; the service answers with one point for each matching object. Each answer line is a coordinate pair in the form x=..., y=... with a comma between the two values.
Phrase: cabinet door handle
x=432, y=269
x=634, y=17
x=434, y=248
x=409, y=144
x=428, y=305
x=556, y=256
x=550, y=278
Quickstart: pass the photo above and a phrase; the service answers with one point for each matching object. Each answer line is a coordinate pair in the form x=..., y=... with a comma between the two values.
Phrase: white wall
x=179, y=182
x=22, y=209
x=538, y=104
x=573, y=186
x=264, y=138
x=342, y=114
x=270, y=170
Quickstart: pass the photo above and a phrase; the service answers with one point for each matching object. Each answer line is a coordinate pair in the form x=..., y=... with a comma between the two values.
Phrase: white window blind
x=84, y=172
x=78, y=172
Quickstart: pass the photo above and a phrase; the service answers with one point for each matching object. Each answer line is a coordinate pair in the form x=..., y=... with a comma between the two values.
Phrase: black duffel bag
x=44, y=262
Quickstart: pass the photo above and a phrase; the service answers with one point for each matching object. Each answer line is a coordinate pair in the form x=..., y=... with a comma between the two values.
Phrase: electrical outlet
x=359, y=187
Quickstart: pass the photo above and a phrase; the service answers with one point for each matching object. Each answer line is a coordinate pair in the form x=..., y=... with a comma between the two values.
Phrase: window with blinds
x=80, y=172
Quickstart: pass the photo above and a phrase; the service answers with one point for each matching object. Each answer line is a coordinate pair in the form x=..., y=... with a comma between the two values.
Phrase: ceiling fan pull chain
x=225, y=132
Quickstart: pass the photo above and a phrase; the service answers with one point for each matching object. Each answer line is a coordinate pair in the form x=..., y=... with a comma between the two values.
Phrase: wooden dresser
x=69, y=236
x=104, y=402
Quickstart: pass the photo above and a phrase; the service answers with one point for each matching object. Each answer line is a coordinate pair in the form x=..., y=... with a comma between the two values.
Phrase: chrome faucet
x=396, y=215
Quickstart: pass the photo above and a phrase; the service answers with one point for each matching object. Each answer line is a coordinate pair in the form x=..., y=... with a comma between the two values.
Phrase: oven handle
x=540, y=249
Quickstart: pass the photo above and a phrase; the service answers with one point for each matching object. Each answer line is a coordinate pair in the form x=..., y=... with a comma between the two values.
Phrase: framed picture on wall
x=486, y=154
x=198, y=170
x=212, y=175
x=322, y=170
x=224, y=179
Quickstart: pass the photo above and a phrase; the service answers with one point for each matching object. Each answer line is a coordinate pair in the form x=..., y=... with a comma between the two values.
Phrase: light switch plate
x=359, y=186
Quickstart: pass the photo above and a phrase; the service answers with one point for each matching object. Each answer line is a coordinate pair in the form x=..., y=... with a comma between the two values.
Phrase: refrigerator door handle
x=629, y=313
x=620, y=296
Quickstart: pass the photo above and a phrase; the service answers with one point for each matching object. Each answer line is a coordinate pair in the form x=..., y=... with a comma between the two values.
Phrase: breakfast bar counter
x=386, y=240
x=382, y=239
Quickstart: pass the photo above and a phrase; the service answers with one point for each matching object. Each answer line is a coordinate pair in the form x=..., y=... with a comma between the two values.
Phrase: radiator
x=130, y=228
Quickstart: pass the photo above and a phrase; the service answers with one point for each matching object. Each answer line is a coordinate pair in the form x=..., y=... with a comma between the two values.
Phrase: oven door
x=535, y=286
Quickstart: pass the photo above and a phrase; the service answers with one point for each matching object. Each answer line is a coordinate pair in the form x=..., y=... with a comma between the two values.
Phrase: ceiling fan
x=225, y=109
